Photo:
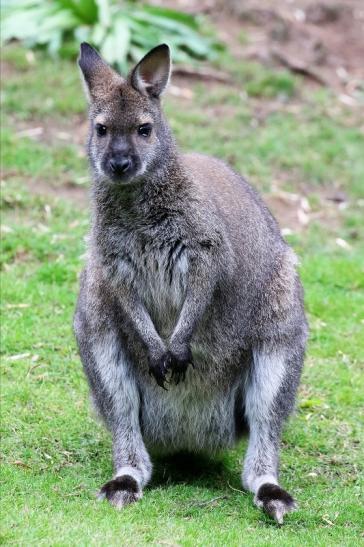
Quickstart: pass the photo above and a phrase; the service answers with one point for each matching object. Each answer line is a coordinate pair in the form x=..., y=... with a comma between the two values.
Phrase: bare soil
x=322, y=40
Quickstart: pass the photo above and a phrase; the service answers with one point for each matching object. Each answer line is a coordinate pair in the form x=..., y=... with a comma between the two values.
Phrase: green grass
x=55, y=455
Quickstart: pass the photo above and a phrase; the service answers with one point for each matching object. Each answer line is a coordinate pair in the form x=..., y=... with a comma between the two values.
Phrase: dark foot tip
x=121, y=491
x=268, y=492
x=275, y=501
x=126, y=482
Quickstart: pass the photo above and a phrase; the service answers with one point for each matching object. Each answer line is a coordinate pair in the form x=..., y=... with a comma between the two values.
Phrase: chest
x=158, y=271
x=162, y=280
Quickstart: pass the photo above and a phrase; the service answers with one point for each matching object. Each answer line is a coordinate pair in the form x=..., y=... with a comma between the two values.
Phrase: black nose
x=120, y=166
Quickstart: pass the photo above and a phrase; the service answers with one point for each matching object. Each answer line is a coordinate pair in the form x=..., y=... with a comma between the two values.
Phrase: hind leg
x=269, y=398
x=116, y=395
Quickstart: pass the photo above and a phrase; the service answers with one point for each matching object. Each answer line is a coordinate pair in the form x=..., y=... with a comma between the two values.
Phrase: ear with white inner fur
x=96, y=72
x=151, y=74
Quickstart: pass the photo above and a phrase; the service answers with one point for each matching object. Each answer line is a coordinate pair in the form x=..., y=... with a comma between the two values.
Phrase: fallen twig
x=209, y=502
x=21, y=464
x=298, y=67
x=203, y=73
x=236, y=489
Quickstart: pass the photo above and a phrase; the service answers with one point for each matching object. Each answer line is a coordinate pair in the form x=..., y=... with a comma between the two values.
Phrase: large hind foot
x=275, y=501
x=121, y=491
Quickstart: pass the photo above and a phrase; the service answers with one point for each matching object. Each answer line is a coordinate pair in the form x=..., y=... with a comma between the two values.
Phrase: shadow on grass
x=217, y=471
x=193, y=469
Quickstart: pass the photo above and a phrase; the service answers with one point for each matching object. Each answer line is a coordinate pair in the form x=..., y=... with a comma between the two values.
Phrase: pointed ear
x=97, y=74
x=151, y=74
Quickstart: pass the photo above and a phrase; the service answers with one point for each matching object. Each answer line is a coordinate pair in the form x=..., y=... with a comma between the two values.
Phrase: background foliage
x=120, y=30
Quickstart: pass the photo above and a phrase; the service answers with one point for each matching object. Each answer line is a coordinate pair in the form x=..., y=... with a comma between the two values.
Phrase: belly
x=199, y=413
x=189, y=416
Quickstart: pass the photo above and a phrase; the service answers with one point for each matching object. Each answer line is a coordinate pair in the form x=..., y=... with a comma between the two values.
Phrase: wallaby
x=190, y=319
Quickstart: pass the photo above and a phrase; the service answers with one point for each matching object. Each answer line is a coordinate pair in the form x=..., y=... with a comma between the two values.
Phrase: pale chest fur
x=159, y=273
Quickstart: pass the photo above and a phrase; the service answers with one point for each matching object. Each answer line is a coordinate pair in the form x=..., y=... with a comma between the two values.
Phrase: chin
x=122, y=179
x=134, y=176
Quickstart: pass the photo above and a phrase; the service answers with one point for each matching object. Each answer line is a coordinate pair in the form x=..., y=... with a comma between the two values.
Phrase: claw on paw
x=120, y=491
x=179, y=365
x=275, y=501
x=159, y=370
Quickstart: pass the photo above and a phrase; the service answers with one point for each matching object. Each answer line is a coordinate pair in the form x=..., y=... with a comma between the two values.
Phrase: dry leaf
x=18, y=357
x=342, y=243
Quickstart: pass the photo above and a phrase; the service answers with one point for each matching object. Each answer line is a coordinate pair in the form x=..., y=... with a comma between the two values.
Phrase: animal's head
x=128, y=133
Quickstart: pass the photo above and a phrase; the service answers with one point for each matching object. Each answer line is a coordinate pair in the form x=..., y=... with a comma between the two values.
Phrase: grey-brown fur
x=188, y=286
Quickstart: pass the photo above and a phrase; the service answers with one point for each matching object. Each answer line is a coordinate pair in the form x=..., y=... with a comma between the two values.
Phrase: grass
x=55, y=455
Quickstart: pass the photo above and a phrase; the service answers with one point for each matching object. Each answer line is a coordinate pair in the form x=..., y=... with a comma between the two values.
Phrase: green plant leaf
x=85, y=10
x=185, y=18
x=55, y=42
x=118, y=30
x=104, y=13
x=122, y=35
x=98, y=34
x=162, y=22
x=83, y=34
x=115, y=46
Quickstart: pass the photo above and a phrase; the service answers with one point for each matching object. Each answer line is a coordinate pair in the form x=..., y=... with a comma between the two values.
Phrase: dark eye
x=101, y=130
x=145, y=129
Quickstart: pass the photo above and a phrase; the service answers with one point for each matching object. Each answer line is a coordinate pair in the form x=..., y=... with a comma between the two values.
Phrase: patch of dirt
x=66, y=190
x=79, y=195
x=322, y=40
x=295, y=213
x=70, y=130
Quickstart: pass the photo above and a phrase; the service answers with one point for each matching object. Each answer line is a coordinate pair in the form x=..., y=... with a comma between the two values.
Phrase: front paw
x=275, y=501
x=120, y=491
x=180, y=358
x=159, y=368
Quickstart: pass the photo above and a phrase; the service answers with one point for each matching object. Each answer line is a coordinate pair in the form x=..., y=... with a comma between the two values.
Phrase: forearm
x=201, y=285
x=139, y=318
